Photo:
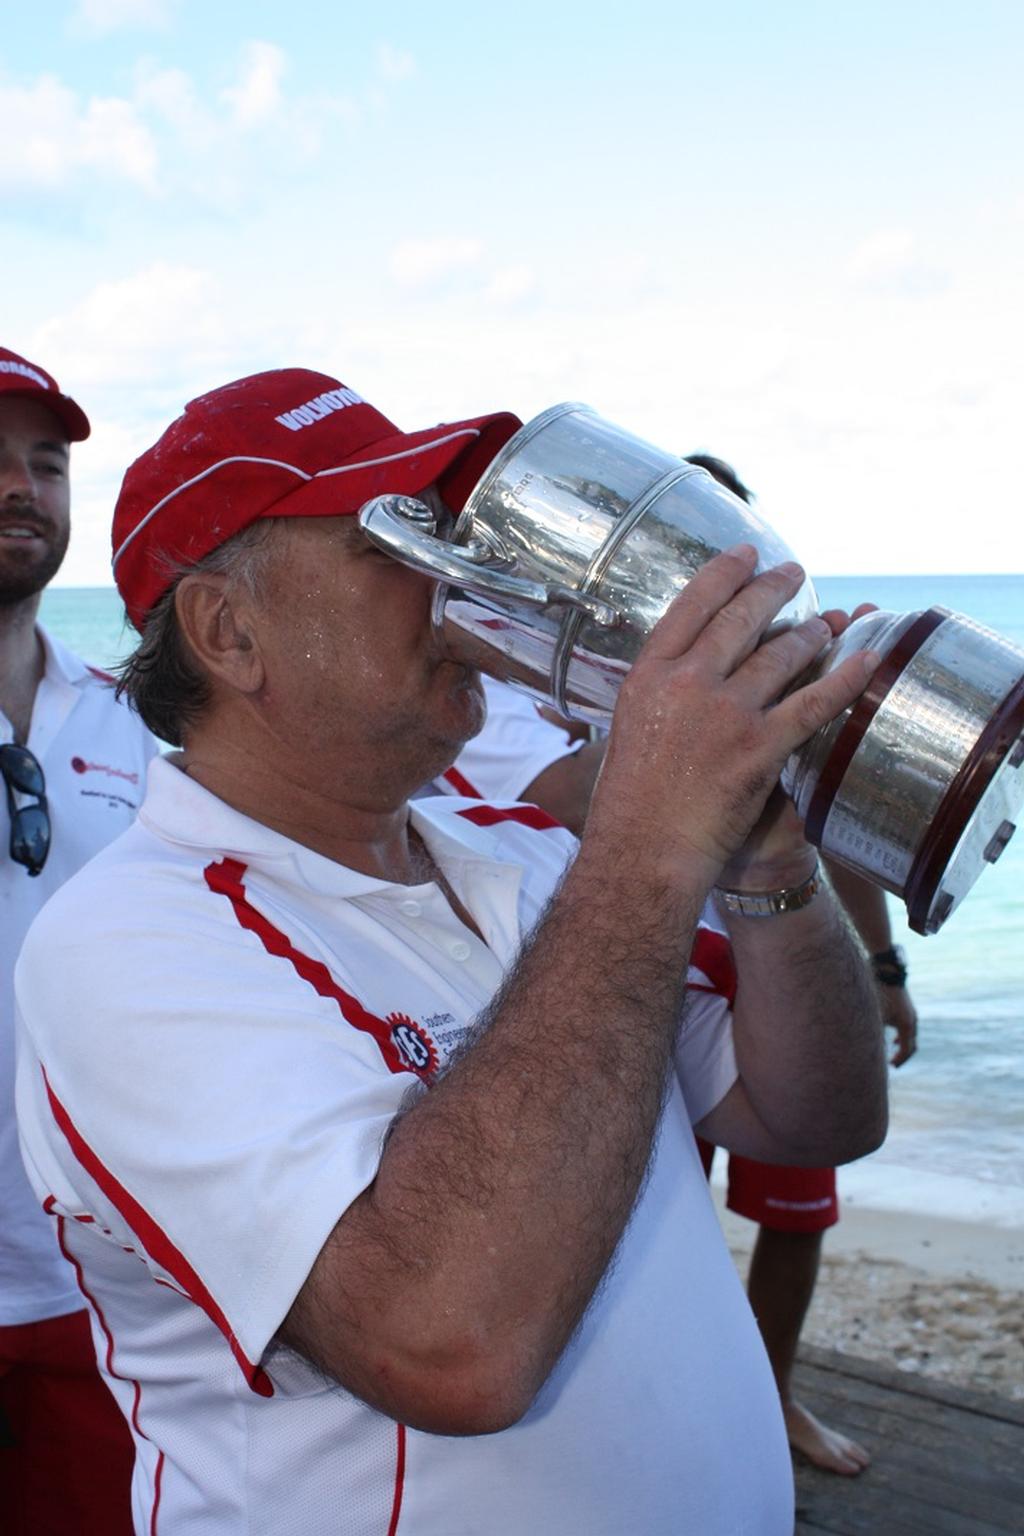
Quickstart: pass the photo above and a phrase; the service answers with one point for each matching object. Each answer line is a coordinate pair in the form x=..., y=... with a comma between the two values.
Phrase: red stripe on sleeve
x=712, y=954
x=155, y=1241
x=526, y=815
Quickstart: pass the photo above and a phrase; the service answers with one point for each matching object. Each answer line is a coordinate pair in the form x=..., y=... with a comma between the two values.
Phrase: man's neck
x=338, y=822
x=347, y=816
x=21, y=662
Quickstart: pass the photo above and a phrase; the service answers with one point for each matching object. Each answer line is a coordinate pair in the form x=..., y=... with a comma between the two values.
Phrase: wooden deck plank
x=938, y=1505
x=968, y=1453
x=909, y=1384
x=946, y=1462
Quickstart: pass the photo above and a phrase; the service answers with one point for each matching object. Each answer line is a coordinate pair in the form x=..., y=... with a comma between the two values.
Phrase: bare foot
x=824, y=1447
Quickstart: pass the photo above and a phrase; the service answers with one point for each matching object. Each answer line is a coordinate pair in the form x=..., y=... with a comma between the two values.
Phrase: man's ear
x=215, y=617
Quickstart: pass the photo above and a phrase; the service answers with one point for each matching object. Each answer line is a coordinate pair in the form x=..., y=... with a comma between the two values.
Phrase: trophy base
x=920, y=784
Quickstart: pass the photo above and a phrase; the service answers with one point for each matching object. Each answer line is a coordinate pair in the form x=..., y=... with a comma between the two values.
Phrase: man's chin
x=470, y=723
x=21, y=580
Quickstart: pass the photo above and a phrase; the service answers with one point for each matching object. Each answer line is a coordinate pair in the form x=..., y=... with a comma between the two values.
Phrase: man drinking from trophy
x=370, y=1124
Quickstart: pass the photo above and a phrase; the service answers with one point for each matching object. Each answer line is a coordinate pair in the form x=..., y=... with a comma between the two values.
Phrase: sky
x=790, y=234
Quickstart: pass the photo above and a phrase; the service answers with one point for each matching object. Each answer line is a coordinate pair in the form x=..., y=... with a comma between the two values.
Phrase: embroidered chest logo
x=413, y=1044
x=81, y=765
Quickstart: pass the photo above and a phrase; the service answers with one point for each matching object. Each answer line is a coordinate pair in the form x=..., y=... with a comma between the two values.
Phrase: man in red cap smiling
x=387, y=1192
x=73, y=762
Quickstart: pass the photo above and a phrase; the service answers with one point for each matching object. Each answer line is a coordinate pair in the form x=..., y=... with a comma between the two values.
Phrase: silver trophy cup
x=573, y=544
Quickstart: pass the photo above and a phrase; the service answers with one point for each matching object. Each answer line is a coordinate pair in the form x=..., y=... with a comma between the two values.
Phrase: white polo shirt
x=93, y=752
x=248, y=1017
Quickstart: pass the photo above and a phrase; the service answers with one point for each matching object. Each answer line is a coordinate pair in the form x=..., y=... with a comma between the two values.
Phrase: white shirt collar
x=182, y=812
x=56, y=696
x=62, y=665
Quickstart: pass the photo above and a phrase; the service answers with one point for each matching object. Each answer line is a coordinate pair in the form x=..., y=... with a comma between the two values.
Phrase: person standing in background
x=73, y=762
x=526, y=753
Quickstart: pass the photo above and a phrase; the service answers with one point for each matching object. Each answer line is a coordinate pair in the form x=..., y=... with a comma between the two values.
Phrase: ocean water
x=958, y=1106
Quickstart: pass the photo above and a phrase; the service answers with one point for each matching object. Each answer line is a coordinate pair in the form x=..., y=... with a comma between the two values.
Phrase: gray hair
x=161, y=677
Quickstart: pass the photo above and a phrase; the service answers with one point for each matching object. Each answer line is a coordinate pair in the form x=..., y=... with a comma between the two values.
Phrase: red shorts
x=784, y=1199
x=69, y=1467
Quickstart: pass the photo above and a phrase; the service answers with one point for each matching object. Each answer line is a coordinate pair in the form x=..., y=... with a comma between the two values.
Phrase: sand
x=939, y=1294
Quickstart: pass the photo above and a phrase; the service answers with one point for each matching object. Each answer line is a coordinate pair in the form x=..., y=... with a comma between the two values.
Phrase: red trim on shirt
x=156, y=1242
x=158, y=1478
x=526, y=815
x=396, y=1504
x=461, y=784
x=712, y=954
x=104, y=677
x=49, y=1206
x=225, y=879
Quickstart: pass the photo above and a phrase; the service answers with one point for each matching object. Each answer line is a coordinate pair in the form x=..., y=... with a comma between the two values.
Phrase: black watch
x=890, y=967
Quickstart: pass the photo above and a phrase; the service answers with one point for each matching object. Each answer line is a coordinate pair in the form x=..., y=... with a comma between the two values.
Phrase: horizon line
x=108, y=586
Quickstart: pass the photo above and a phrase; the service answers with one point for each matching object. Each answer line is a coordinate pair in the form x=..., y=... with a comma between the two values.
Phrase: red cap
x=285, y=444
x=20, y=377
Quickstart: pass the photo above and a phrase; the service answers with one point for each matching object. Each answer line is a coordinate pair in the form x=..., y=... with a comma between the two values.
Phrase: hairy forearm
x=506, y=1187
x=808, y=1035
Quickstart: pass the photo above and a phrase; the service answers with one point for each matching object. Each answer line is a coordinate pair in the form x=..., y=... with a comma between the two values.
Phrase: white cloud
x=395, y=63
x=109, y=15
x=170, y=96
x=47, y=135
x=113, y=138
x=53, y=137
x=889, y=260
x=131, y=331
x=510, y=284
x=421, y=263
x=257, y=96
x=97, y=469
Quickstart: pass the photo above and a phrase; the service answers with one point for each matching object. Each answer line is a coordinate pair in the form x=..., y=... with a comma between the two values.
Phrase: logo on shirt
x=80, y=765
x=413, y=1044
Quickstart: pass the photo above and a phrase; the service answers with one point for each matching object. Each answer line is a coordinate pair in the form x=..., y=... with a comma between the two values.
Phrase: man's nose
x=16, y=480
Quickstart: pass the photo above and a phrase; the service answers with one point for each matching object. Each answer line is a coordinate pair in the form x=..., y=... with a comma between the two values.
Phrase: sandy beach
x=905, y=1284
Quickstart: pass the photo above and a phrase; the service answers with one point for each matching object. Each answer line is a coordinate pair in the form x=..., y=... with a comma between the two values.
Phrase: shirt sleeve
x=206, y=1106
x=514, y=747
x=705, y=1057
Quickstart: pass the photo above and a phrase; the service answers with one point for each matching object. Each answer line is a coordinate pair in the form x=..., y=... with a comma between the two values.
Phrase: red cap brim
x=71, y=416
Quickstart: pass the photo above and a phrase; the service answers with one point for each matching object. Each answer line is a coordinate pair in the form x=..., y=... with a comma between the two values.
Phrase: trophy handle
x=406, y=529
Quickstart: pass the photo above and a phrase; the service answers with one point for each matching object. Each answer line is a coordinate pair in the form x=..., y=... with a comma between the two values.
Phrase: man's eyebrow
x=46, y=446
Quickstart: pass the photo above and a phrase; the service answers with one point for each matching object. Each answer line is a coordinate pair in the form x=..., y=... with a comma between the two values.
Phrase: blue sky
x=791, y=234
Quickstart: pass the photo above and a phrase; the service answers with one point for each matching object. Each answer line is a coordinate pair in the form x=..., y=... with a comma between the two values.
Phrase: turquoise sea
x=958, y=1106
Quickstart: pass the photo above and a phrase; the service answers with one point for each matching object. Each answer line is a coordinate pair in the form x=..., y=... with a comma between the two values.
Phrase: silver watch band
x=771, y=903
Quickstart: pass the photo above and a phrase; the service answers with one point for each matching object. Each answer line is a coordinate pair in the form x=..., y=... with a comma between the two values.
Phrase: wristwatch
x=890, y=966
